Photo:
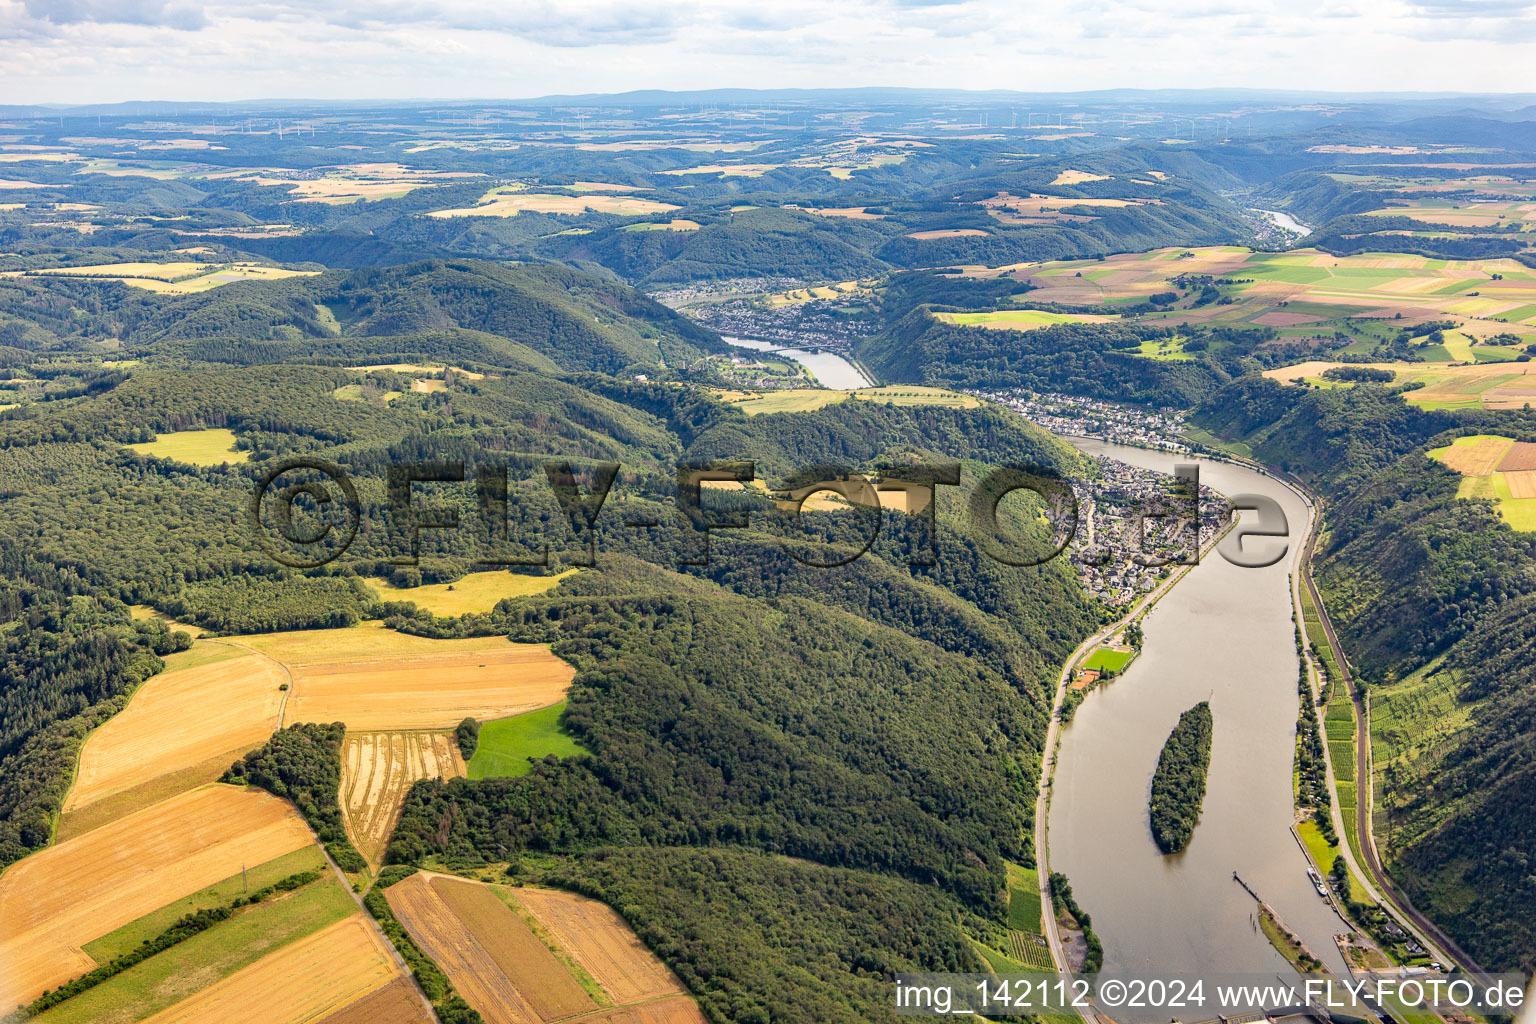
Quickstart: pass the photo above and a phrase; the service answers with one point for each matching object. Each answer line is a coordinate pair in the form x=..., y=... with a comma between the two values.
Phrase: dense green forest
x=1178, y=783
x=765, y=738
x=1097, y=360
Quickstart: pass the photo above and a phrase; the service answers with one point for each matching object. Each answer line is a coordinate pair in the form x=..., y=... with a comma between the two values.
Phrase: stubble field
x=377, y=769
x=60, y=898
x=180, y=719
x=304, y=981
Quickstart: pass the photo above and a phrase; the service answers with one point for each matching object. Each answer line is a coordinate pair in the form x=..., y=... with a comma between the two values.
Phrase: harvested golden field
x=1476, y=456
x=174, y=278
x=395, y=1003
x=1037, y=208
x=304, y=981
x=60, y=898
x=846, y=212
x=489, y=953
x=377, y=768
x=429, y=691
x=1070, y=177
x=179, y=719
x=948, y=233
x=377, y=680
x=475, y=592
x=506, y=203
x=601, y=943
x=677, y=1010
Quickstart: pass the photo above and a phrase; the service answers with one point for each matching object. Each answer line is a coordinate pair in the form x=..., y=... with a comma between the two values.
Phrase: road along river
x=1223, y=634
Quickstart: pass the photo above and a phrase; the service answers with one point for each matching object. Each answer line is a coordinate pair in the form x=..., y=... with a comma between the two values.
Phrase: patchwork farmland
x=1498, y=469
x=1301, y=293
x=1493, y=386
x=180, y=720
x=57, y=900
x=304, y=981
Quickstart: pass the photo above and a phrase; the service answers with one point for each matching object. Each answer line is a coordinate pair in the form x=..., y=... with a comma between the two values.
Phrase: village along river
x=1223, y=634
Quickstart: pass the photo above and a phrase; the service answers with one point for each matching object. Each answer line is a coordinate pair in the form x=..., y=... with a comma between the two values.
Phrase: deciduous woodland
x=1178, y=784
x=784, y=785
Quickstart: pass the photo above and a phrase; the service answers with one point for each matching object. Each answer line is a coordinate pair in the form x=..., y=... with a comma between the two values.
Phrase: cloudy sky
x=78, y=51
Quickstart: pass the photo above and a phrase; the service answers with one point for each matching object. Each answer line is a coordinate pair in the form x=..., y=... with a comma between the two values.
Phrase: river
x=829, y=369
x=1224, y=634
x=1287, y=222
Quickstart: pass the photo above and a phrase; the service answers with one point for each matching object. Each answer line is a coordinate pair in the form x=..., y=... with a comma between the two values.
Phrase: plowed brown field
x=1520, y=457
x=395, y=1003
x=377, y=768
x=677, y=1010
x=489, y=953
x=178, y=720
x=599, y=940
x=58, y=899
x=302, y=982
x=1521, y=484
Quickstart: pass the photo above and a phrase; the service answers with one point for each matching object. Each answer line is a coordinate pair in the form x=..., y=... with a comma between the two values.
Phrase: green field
x=1023, y=899
x=810, y=399
x=193, y=965
x=912, y=394
x=788, y=400
x=219, y=894
x=212, y=447
x=476, y=592
x=1164, y=348
x=1106, y=659
x=1323, y=854
x=507, y=743
x=354, y=393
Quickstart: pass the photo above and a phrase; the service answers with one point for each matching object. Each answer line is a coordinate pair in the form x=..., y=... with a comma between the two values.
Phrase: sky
x=92, y=51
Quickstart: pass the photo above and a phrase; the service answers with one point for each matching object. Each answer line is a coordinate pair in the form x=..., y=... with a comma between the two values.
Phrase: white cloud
x=94, y=50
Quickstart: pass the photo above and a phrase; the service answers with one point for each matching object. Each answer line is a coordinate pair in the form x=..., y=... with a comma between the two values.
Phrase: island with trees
x=1178, y=785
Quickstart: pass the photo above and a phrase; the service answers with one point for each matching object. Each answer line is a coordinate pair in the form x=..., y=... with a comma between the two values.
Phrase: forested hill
x=1434, y=596
x=538, y=316
x=880, y=722
x=1096, y=360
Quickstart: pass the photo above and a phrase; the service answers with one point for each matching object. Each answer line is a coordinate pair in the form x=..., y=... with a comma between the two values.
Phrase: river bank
x=1225, y=634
